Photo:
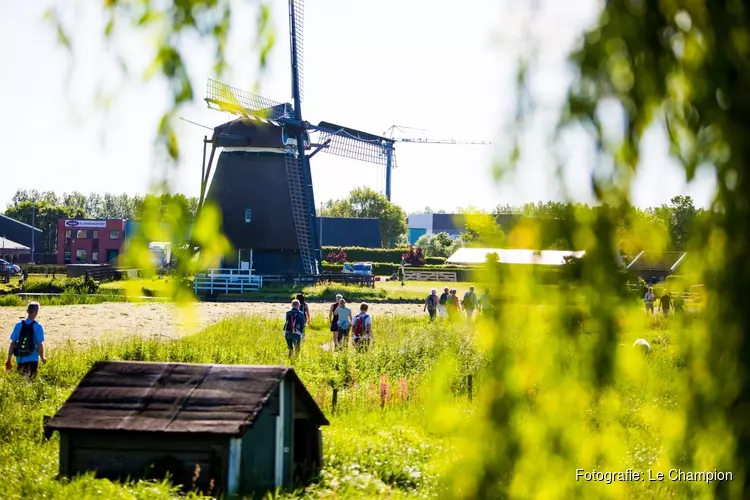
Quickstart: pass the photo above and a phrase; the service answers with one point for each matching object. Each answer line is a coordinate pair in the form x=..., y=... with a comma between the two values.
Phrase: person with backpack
x=294, y=328
x=469, y=303
x=344, y=322
x=333, y=318
x=443, y=302
x=27, y=344
x=362, y=331
x=431, y=304
x=304, y=307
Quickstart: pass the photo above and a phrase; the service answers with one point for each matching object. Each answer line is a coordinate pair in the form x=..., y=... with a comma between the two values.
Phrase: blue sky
x=421, y=63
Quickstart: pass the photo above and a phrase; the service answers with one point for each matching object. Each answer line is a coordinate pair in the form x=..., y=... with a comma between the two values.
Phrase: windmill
x=270, y=145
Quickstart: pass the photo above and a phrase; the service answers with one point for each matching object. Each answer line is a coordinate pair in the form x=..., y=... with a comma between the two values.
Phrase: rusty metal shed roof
x=174, y=398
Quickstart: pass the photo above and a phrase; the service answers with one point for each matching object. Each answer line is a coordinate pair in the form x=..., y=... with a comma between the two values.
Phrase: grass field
x=427, y=438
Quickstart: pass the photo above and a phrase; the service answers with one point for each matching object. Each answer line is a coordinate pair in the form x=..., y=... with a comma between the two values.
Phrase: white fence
x=227, y=281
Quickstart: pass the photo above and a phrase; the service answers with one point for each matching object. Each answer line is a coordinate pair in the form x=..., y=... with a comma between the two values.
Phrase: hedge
x=61, y=285
x=384, y=255
x=45, y=269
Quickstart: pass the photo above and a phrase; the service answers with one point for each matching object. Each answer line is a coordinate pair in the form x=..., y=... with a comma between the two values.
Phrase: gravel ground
x=83, y=324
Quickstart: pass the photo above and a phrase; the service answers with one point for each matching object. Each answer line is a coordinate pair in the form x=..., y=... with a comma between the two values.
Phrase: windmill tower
x=263, y=183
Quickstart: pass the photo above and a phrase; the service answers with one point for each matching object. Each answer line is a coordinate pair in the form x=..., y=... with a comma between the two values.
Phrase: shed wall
x=116, y=455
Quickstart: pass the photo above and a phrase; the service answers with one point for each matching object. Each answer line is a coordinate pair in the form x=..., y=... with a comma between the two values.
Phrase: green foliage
x=427, y=428
x=364, y=202
x=50, y=207
x=680, y=216
x=45, y=269
x=439, y=245
x=206, y=247
x=61, y=285
x=398, y=463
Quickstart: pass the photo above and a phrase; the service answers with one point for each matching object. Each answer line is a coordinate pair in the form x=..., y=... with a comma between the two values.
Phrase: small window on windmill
x=248, y=215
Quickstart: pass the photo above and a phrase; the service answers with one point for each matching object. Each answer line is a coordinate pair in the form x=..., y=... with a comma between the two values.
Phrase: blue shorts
x=293, y=339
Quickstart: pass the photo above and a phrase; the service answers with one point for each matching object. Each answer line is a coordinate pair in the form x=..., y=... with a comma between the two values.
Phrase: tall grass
x=404, y=426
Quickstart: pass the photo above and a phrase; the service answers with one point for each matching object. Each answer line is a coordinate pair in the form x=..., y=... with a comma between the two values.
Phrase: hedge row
x=386, y=255
x=61, y=285
x=45, y=269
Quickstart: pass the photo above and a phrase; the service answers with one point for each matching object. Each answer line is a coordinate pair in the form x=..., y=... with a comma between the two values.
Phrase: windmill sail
x=296, y=34
x=243, y=103
x=354, y=144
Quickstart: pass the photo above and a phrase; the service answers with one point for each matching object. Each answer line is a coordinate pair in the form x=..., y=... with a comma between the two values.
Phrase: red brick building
x=83, y=241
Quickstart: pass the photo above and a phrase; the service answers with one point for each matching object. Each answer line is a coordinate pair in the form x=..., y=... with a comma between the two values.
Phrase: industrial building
x=87, y=241
x=451, y=224
x=21, y=235
x=349, y=232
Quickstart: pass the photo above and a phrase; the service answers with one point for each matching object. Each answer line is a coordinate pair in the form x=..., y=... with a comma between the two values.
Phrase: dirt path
x=84, y=323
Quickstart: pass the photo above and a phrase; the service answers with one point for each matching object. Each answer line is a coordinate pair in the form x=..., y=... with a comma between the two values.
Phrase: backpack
x=443, y=299
x=468, y=301
x=431, y=302
x=359, y=324
x=292, y=323
x=25, y=344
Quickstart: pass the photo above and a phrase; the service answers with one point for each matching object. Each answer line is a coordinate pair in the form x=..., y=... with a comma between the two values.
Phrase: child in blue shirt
x=27, y=360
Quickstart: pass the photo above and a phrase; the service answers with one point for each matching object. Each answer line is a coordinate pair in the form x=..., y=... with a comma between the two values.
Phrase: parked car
x=14, y=269
x=358, y=268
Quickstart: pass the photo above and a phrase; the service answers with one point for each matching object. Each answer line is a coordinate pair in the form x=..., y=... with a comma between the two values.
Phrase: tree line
x=46, y=207
x=667, y=227
x=663, y=228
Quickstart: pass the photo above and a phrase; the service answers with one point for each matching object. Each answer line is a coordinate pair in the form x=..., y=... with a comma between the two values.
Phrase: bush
x=336, y=257
x=61, y=285
x=385, y=255
x=45, y=269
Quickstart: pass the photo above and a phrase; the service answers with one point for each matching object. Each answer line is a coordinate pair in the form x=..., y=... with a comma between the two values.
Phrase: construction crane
x=391, y=134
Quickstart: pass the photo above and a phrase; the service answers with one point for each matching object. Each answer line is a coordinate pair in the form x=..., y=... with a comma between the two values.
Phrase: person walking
x=344, y=322
x=431, y=304
x=485, y=302
x=679, y=303
x=304, y=307
x=453, y=306
x=362, y=331
x=470, y=303
x=333, y=319
x=294, y=328
x=665, y=303
x=27, y=344
x=649, y=299
x=443, y=303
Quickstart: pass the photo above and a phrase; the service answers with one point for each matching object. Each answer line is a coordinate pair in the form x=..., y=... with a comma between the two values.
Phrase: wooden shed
x=228, y=429
x=654, y=267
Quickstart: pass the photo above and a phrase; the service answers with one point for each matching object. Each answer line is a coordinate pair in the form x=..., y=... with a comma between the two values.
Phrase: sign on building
x=85, y=224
